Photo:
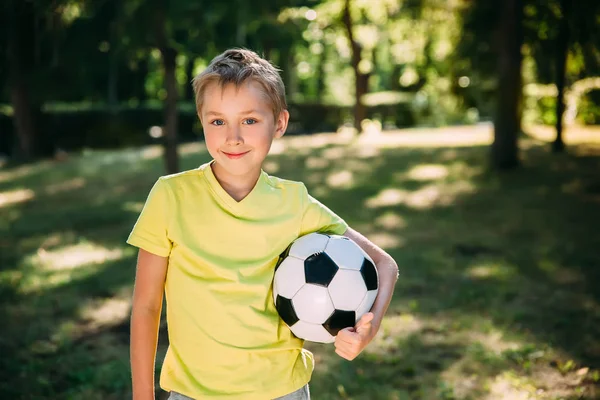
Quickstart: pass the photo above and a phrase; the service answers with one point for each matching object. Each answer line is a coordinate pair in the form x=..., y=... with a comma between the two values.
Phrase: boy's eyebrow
x=253, y=111
x=213, y=113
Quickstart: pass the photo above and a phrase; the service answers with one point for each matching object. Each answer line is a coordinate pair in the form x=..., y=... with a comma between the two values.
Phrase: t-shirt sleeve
x=318, y=218
x=151, y=231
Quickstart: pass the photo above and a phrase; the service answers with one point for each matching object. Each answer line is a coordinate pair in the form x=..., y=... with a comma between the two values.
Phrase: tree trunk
x=171, y=158
x=169, y=61
x=562, y=49
x=360, y=80
x=20, y=18
x=321, y=73
x=507, y=122
x=113, y=80
x=287, y=71
x=189, y=73
x=140, y=79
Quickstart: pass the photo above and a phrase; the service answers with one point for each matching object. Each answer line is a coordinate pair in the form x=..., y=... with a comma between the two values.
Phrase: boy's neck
x=236, y=186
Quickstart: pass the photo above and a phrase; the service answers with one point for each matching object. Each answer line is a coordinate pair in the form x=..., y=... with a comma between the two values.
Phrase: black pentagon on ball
x=369, y=274
x=286, y=311
x=339, y=320
x=319, y=269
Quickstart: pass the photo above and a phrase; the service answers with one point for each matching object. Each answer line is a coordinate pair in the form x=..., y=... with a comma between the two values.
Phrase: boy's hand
x=350, y=342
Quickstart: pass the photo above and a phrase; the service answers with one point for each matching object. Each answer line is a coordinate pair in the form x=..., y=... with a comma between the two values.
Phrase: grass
x=499, y=294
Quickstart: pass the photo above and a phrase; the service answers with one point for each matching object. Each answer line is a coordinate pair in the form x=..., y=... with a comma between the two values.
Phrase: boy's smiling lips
x=235, y=155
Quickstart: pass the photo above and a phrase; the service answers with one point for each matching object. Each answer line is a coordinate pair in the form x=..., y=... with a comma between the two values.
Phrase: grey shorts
x=301, y=394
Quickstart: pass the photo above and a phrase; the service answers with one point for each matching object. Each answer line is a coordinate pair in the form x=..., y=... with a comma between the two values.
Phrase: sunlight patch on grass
x=487, y=271
x=488, y=357
x=394, y=328
x=390, y=220
x=313, y=162
x=105, y=312
x=58, y=266
x=133, y=206
x=387, y=241
x=493, y=340
x=271, y=167
x=69, y=184
x=573, y=134
x=192, y=148
x=15, y=197
x=75, y=256
x=24, y=170
x=334, y=153
x=387, y=197
x=425, y=197
x=152, y=152
x=340, y=180
x=428, y=172
x=362, y=152
x=458, y=136
x=310, y=142
x=510, y=386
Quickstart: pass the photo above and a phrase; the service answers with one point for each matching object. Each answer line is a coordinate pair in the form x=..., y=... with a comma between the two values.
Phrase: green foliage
x=441, y=54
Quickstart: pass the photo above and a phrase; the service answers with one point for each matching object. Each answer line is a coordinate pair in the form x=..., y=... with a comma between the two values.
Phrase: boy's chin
x=236, y=168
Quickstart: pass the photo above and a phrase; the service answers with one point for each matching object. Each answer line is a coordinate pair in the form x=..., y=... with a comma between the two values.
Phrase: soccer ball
x=322, y=284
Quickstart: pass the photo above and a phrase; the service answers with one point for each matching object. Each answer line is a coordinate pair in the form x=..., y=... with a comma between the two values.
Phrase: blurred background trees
x=81, y=73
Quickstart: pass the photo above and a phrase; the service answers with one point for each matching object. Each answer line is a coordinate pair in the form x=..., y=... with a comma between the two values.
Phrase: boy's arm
x=145, y=319
x=351, y=341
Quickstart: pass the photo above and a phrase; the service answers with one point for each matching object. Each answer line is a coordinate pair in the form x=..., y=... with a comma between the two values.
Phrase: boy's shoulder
x=282, y=183
x=180, y=178
x=190, y=173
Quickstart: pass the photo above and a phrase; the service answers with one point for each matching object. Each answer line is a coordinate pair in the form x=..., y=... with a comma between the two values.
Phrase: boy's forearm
x=144, y=338
x=387, y=270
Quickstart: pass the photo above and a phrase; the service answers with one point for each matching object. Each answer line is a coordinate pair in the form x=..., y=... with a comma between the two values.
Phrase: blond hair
x=237, y=66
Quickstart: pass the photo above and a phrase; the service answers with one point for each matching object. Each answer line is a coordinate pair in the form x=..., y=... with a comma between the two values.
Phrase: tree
x=361, y=79
x=19, y=20
x=169, y=60
x=507, y=121
x=562, y=52
x=159, y=24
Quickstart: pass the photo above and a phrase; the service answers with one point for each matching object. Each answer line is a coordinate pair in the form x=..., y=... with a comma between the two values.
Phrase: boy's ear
x=281, y=123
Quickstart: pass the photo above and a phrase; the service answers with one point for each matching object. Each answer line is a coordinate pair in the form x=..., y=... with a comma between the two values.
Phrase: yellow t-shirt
x=226, y=338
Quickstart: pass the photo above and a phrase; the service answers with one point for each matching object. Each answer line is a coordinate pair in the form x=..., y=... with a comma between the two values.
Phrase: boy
x=209, y=238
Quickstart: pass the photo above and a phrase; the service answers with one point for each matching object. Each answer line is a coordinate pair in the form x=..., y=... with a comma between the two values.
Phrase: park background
x=458, y=135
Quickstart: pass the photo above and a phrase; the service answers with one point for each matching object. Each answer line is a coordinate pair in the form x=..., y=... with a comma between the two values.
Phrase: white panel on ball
x=347, y=289
x=308, y=245
x=345, y=253
x=313, y=304
x=366, y=304
x=312, y=332
x=290, y=277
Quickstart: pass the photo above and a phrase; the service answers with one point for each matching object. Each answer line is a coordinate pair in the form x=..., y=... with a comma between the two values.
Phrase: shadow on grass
x=516, y=251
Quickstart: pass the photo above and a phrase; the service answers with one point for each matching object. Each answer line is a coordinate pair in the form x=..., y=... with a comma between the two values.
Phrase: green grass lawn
x=499, y=289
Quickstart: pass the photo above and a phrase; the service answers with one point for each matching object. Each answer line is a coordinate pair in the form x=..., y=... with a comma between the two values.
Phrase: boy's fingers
x=348, y=335
x=366, y=318
x=343, y=354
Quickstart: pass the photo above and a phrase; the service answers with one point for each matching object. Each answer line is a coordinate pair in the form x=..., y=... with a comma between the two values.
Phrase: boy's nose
x=234, y=136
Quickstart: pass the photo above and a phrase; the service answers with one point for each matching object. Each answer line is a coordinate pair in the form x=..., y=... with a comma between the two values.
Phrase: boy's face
x=239, y=127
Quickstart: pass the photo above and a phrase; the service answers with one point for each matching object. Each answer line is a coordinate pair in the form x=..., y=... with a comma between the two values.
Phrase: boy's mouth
x=235, y=155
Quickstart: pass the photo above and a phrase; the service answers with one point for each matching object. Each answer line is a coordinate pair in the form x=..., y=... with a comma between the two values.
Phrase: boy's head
x=238, y=66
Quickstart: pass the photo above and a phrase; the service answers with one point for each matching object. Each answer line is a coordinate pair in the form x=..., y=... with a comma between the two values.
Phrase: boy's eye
x=218, y=122
x=250, y=121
